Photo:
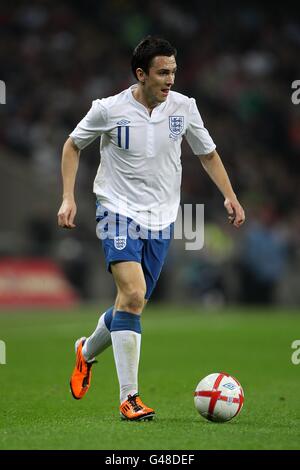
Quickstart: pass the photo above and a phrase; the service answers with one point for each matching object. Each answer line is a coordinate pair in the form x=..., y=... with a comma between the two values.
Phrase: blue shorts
x=124, y=240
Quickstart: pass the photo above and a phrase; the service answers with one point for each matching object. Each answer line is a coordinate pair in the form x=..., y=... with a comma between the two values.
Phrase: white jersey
x=139, y=175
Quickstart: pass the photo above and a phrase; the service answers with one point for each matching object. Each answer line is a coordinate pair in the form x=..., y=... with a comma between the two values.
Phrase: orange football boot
x=81, y=376
x=133, y=409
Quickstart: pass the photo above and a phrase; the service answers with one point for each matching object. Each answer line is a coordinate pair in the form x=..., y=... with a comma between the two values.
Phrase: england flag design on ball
x=219, y=397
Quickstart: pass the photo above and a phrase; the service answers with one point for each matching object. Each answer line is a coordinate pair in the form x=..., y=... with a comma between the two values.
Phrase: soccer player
x=137, y=189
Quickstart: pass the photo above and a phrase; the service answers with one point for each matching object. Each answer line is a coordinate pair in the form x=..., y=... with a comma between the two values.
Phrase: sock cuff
x=126, y=321
x=108, y=316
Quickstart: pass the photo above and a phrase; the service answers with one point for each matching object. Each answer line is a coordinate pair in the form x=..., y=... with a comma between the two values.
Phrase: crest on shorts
x=176, y=124
x=120, y=242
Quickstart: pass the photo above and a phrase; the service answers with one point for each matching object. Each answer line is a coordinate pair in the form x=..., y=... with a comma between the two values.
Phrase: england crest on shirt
x=176, y=124
x=120, y=242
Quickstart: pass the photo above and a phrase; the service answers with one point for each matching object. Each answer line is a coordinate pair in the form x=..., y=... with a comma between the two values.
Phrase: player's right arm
x=69, y=167
x=86, y=131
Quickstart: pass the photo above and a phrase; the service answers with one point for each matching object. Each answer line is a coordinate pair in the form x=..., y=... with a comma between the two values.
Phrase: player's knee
x=134, y=300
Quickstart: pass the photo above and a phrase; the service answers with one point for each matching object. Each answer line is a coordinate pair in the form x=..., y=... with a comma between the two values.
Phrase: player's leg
x=100, y=339
x=132, y=296
x=86, y=350
x=126, y=337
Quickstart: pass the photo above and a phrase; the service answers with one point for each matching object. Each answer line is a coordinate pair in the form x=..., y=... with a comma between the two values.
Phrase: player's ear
x=140, y=75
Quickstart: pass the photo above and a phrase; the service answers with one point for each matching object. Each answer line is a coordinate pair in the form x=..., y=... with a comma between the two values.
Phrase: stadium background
x=239, y=61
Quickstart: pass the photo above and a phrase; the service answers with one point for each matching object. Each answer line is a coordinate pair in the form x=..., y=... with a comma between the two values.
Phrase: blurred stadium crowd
x=237, y=60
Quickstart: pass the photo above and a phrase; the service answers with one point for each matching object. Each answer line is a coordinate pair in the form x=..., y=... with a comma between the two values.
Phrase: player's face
x=159, y=80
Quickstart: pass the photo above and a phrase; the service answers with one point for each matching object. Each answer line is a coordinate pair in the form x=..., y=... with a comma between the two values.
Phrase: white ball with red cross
x=219, y=397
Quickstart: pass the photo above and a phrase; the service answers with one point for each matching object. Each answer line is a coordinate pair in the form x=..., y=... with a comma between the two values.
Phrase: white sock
x=99, y=340
x=126, y=347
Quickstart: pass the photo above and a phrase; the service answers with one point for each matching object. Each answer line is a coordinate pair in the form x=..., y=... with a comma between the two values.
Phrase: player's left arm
x=214, y=167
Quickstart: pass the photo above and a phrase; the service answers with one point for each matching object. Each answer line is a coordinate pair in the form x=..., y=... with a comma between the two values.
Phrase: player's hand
x=66, y=214
x=236, y=214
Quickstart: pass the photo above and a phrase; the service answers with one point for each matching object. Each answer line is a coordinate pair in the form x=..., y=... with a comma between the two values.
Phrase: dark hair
x=147, y=49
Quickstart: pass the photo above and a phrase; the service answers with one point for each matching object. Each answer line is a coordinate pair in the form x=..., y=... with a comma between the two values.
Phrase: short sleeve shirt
x=140, y=169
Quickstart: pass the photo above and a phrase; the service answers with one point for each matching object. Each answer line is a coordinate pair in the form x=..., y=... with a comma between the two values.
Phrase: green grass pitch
x=179, y=347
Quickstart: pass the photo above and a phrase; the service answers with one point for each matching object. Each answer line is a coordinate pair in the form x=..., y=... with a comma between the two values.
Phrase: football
x=219, y=397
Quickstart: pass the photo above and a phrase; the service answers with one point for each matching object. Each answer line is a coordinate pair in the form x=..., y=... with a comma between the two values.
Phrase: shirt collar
x=158, y=108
